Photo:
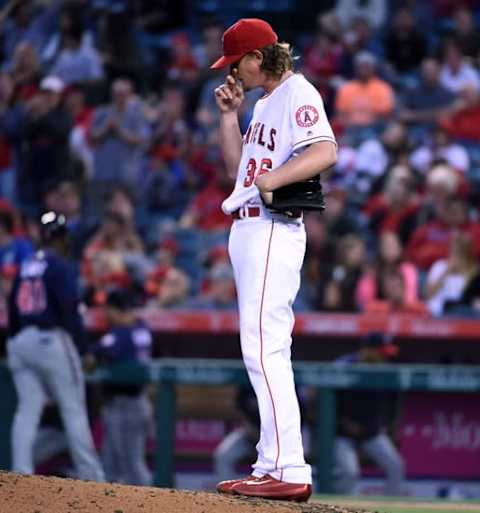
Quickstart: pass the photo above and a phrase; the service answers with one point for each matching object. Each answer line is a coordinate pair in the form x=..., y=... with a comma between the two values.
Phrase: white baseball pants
x=267, y=256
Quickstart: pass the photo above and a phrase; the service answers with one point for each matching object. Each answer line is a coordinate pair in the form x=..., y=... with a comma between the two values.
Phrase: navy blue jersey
x=45, y=295
x=126, y=343
x=121, y=344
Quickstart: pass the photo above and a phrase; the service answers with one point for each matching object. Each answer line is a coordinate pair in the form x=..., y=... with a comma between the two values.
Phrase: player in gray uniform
x=127, y=414
x=44, y=347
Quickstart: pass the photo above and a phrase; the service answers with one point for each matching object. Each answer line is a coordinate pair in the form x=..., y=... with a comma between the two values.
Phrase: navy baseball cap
x=382, y=342
x=53, y=226
x=120, y=299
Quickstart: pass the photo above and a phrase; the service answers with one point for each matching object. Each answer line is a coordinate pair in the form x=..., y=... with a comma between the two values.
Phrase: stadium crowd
x=107, y=115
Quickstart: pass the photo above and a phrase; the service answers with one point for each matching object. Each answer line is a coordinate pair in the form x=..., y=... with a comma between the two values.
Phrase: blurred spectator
x=427, y=101
x=363, y=168
x=7, y=167
x=19, y=23
x=44, y=132
x=448, y=278
x=322, y=62
x=395, y=209
x=405, y=46
x=25, y=71
x=127, y=414
x=375, y=11
x=456, y=72
x=171, y=135
x=119, y=132
x=367, y=99
x=439, y=147
x=173, y=288
x=464, y=32
x=389, y=259
x=76, y=63
x=363, y=418
x=392, y=287
x=81, y=115
x=342, y=279
x=463, y=121
x=432, y=241
x=183, y=66
x=13, y=248
x=70, y=23
x=79, y=225
x=210, y=47
x=220, y=294
x=319, y=256
x=117, y=45
x=160, y=16
x=359, y=37
x=338, y=220
x=469, y=303
x=205, y=212
x=121, y=201
x=114, y=257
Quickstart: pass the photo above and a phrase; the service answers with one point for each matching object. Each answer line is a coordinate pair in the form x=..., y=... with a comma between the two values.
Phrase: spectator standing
x=44, y=348
x=120, y=133
x=362, y=421
x=45, y=131
x=127, y=414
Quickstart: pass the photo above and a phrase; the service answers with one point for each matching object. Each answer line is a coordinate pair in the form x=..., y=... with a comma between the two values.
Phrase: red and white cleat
x=226, y=486
x=269, y=488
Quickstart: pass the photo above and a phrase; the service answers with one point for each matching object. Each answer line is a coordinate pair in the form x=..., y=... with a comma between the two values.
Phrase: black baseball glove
x=295, y=197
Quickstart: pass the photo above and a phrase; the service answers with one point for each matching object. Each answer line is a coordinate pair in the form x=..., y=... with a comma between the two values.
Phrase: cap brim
x=226, y=60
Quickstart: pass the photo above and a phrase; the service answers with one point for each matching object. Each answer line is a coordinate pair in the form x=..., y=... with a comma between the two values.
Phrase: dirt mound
x=39, y=494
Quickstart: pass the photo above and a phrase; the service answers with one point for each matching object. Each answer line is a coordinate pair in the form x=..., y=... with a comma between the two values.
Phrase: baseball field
x=39, y=494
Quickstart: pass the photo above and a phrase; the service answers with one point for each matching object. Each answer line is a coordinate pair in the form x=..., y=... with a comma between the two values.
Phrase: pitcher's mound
x=39, y=494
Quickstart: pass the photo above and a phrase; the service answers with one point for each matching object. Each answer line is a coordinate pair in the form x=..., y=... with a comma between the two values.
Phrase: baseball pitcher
x=276, y=165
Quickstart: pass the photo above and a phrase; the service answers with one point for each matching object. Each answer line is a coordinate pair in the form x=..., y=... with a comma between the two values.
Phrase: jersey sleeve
x=62, y=289
x=309, y=121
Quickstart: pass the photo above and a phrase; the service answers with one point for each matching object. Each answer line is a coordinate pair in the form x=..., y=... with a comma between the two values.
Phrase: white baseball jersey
x=291, y=117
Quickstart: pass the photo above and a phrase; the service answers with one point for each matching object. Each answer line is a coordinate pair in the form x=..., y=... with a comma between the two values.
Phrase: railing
x=326, y=378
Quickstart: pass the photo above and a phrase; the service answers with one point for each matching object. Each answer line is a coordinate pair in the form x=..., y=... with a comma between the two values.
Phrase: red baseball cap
x=242, y=37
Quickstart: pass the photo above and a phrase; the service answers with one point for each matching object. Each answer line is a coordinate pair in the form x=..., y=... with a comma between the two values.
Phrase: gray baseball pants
x=127, y=422
x=45, y=364
x=379, y=449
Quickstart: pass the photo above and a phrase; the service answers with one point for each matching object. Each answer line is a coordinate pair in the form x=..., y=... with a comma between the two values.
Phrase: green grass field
x=401, y=504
